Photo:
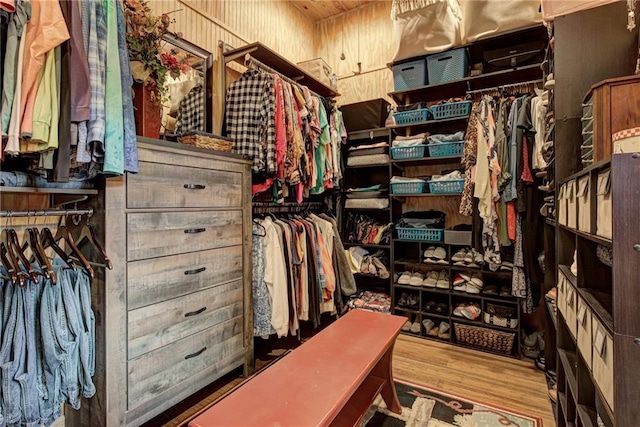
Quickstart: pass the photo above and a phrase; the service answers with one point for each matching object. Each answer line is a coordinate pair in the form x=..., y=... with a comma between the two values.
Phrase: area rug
x=425, y=407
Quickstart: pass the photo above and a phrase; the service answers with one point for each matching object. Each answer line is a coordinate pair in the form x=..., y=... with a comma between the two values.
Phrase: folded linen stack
x=410, y=141
x=372, y=197
x=368, y=154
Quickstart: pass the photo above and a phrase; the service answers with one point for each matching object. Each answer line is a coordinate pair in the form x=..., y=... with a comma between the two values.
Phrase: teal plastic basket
x=412, y=152
x=445, y=149
x=412, y=116
x=449, y=186
x=451, y=110
x=421, y=234
x=408, y=187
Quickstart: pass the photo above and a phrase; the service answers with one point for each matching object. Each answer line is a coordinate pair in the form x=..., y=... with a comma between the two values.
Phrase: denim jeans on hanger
x=29, y=371
x=12, y=350
x=70, y=380
x=4, y=283
x=82, y=288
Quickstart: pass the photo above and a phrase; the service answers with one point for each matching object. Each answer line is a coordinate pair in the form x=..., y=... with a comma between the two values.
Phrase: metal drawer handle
x=196, y=354
x=196, y=271
x=195, y=186
x=636, y=341
x=195, y=313
x=194, y=230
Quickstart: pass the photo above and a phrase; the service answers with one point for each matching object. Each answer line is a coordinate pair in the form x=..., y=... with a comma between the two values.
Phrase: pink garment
x=511, y=220
x=46, y=30
x=281, y=131
x=526, y=176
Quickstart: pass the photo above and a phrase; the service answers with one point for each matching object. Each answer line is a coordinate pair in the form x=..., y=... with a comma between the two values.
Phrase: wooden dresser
x=175, y=313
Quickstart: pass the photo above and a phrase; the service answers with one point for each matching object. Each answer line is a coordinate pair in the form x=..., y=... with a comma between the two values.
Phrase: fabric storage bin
x=571, y=311
x=583, y=202
x=604, y=221
x=572, y=205
x=458, y=237
x=447, y=66
x=319, y=69
x=364, y=115
x=602, y=363
x=562, y=205
x=476, y=336
x=432, y=28
x=409, y=75
x=561, y=300
x=487, y=18
x=583, y=317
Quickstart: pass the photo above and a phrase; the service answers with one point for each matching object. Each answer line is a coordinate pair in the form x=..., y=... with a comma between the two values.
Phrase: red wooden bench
x=330, y=380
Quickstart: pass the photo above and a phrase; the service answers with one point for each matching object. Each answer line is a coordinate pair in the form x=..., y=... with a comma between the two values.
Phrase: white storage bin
x=572, y=204
x=583, y=201
x=571, y=311
x=319, y=69
x=561, y=300
x=562, y=205
x=604, y=223
x=602, y=365
x=583, y=317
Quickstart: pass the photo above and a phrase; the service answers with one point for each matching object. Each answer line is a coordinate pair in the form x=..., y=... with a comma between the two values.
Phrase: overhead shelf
x=273, y=60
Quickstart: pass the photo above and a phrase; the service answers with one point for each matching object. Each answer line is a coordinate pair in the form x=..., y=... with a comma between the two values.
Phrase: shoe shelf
x=429, y=314
x=493, y=298
x=407, y=309
x=483, y=271
x=365, y=245
x=427, y=160
x=569, y=362
x=588, y=236
x=588, y=416
x=435, y=290
x=479, y=322
x=410, y=287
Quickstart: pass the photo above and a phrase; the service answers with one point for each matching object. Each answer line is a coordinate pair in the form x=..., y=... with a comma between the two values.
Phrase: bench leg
x=384, y=370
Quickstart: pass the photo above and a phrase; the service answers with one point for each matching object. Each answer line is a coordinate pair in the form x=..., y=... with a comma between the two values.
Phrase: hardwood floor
x=504, y=382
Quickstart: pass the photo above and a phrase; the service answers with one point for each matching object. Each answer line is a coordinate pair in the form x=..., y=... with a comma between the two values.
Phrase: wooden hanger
x=48, y=241
x=88, y=233
x=14, y=242
x=11, y=270
x=38, y=249
x=64, y=233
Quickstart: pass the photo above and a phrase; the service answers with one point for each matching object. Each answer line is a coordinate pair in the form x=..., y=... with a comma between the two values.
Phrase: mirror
x=189, y=104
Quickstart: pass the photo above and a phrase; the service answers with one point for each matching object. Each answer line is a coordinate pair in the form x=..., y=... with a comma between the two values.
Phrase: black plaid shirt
x=191, y=111
x=250, y=119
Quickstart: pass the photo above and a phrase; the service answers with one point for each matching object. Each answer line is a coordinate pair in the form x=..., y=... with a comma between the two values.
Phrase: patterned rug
x=425, y=407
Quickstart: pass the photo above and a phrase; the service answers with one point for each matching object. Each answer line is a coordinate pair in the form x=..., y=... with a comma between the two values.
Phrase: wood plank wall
x=364, y=35
x=276, y=23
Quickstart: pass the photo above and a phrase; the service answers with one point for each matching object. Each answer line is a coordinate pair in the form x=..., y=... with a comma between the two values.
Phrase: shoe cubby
x=435, y=304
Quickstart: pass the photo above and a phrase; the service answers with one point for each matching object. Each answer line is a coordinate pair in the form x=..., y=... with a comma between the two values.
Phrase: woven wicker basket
x=209, y=141
x=490, y=339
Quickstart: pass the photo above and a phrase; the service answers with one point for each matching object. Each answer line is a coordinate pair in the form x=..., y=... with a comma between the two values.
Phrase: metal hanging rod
x=251, y=62
x=59, y=212
x=501, y=87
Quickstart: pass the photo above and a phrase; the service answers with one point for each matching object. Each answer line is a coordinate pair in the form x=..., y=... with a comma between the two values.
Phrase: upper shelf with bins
x=489, y=80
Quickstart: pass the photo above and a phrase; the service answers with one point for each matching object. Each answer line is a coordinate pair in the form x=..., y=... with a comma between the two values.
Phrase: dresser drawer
x=154, y=280
x=157, y=371
x=156, y=325
x=159, y=185
x=151, y=235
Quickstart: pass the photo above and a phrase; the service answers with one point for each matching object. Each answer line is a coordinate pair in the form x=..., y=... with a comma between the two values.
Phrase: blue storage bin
x=447, y=66
x=444, y=149
x=408, y=187
x=421, y=234
x=410, y=75
x=413, y=116
x=451, y=110
x=449, y=186
x=412, y=152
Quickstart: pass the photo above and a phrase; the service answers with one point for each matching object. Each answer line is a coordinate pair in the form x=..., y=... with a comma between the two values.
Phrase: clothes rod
x=250, y=62
x=500, y=87
x=61, y=212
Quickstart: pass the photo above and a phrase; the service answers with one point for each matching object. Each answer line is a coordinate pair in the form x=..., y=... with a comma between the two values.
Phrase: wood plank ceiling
x=317, y=10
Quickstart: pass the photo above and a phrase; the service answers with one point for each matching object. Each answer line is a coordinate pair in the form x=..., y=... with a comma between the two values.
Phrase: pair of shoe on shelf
x=470, y=283
x=413, y=327
x=439, y=307
x=435, y=255
x=372, y=265
x=468, y=257
x=411, y=278
x=409, y=300
x=494, y=290
x=468, y=310
x=533, y=344
x=551, y=297
x=437, y=279
x=443, y=330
